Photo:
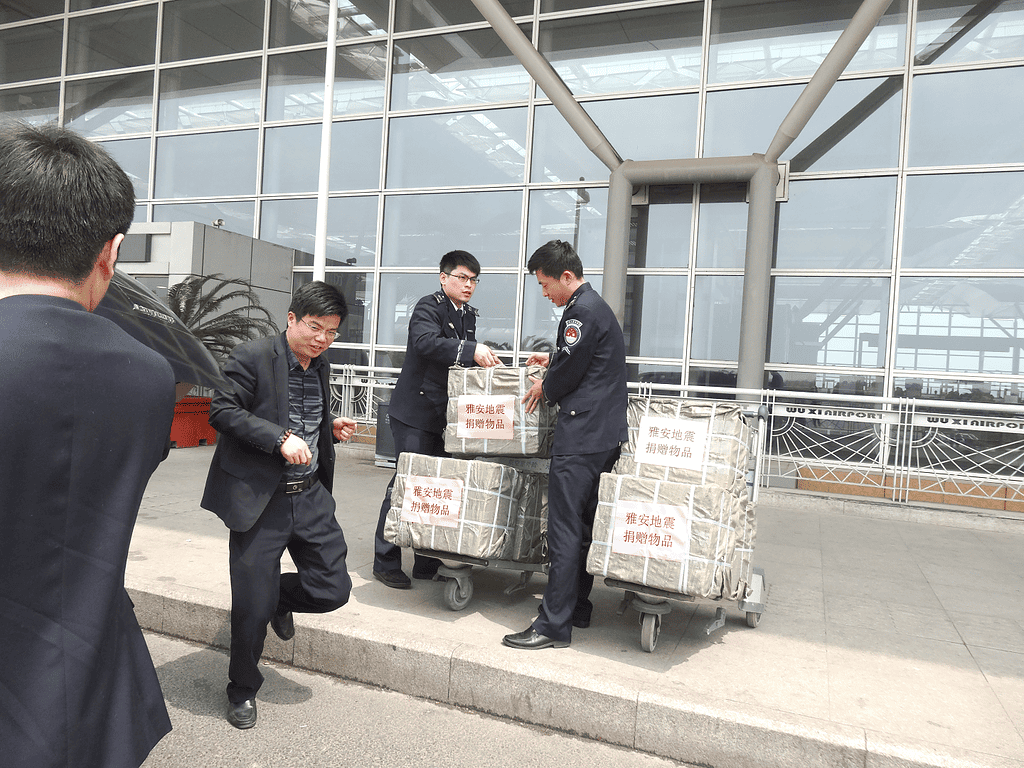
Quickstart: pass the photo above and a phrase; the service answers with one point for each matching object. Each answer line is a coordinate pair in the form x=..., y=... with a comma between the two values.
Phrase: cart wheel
x=458, y=593
x=752, y=619
x=650, y=629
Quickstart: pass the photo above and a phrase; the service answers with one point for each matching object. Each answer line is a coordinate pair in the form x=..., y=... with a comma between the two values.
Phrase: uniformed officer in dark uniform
x=442, y=333
x=586, y=377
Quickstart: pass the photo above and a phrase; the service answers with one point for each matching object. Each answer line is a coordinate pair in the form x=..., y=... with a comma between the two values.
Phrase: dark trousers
x=572, y=501
x=387, y=556
x=304, y=524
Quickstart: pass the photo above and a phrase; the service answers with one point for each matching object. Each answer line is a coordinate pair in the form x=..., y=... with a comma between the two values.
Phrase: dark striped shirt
x=305, y=410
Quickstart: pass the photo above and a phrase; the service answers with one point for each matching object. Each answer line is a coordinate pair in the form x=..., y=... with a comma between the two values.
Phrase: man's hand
x=295, y=450
x=534, y=396
x=484, y=357
x=539, y=358
x=344, y=428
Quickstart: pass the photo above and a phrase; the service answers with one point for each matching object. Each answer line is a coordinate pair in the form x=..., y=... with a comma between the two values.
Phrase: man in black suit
x=442, y=333
x=85, y=421
x=586, y=377
x=270, y=482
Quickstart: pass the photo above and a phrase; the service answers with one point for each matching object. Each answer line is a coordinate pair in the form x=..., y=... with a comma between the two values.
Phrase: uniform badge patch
x=573, y=332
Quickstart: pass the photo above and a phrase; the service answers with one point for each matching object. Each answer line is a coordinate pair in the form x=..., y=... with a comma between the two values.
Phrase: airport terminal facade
x=899, y=238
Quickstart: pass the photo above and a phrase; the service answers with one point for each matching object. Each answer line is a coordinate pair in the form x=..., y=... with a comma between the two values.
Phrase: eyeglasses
x=464, y=279
x=317, y=330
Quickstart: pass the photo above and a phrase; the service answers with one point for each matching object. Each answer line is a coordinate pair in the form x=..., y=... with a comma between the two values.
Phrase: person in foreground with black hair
x=270, y=481
x=85, y=418
x=586, y=377
x=442, y=333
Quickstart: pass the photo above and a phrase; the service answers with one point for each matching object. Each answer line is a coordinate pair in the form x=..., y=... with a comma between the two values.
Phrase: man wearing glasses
x=270, y=482
x=442, y=333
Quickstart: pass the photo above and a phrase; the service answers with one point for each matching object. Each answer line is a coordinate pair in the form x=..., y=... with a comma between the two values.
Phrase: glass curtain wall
x=898, y=264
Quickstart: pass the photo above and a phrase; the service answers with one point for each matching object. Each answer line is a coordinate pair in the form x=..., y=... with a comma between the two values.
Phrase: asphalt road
x=308, y=720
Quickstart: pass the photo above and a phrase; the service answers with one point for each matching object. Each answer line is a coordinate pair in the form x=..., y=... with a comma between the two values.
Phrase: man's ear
x=108, y=256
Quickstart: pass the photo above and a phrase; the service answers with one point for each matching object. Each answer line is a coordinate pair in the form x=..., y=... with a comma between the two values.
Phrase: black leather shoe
x=283, y=625
x=395, y=579
x=531, y=640
x=243, y=714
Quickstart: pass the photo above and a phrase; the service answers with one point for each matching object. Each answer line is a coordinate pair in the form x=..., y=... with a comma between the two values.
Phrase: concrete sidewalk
x=892, y=636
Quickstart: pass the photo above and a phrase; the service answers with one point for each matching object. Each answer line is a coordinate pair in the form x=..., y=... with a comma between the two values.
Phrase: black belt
x=297, y=486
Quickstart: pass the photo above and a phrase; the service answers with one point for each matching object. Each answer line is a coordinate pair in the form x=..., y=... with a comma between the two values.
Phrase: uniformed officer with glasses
x=442, y=333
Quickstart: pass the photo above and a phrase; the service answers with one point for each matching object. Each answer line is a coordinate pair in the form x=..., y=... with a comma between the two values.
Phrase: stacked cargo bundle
x=498, y=473
x=675, y=514
x=460, y=506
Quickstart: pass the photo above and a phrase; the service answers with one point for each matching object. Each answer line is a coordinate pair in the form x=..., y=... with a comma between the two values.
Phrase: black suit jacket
x=246, y=466
x=586, y=376
x=85, y=416
x=420, y=397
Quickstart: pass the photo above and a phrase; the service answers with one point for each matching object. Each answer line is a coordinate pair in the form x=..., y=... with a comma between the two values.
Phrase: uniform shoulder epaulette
x=474, y=310
x=438, y=296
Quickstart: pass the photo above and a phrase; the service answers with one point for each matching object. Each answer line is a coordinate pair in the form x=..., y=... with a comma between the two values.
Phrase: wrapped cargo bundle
x=676, y=537
x=530, y=542
x=738, y=576
x=686, y=441
x=486, y=416
x=469, y=508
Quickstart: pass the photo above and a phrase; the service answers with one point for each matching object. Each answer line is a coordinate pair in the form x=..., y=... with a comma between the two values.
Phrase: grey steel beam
x=849, y=42
x=549, y=81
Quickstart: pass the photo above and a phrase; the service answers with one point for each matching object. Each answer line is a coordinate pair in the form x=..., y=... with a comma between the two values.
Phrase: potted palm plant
x=221, y=312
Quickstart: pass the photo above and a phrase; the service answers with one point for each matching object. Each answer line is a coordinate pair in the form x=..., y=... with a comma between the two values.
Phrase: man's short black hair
x=61, y=198
x=318, y=299
x=555, y=257
x=454, y=259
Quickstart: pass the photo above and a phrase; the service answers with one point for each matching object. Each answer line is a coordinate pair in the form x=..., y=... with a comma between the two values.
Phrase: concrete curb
x=527, y=688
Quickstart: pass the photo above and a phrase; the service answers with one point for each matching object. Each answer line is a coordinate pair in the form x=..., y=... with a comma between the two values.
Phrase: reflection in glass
x=840, y=383
x=652, y=128
x=576, y=216
x=357, y=288
x=495, y=297
x=663, y=229
x=465, y=148
x=355, y=155
x=955, y=31
x=837, y=224
x=414, y=14
x=790, y=38
x=194, y=29
x=830, y=321
x=984, y=127
x=295, y=82
x=35, y=104
x=717, y=305
x=237, y=216
x=295, y=22
x=85, y=5
x=32, y=52
x=969, y=390
x=184, y=163
x=472, y=67
x=398, y=296
x=351, y=228
x=541, y=317
x=133, y=156
x=419, y=229
x=722, y=226
x=123, y=38
x=642, y=50
x=970, y=325
x=292, y=157
x=34, y=9
x=964, y=221
x=550, y=6
x=210, y=95
x=110, y=105
x=656, y=373
x=856, y=126
x=654, y=317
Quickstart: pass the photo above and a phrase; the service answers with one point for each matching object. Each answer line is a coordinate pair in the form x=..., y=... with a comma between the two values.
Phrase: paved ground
x=892, y=636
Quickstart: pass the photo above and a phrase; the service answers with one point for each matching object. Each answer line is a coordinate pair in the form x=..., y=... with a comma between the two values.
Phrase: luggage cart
x=652, y=604
x=457, y=569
